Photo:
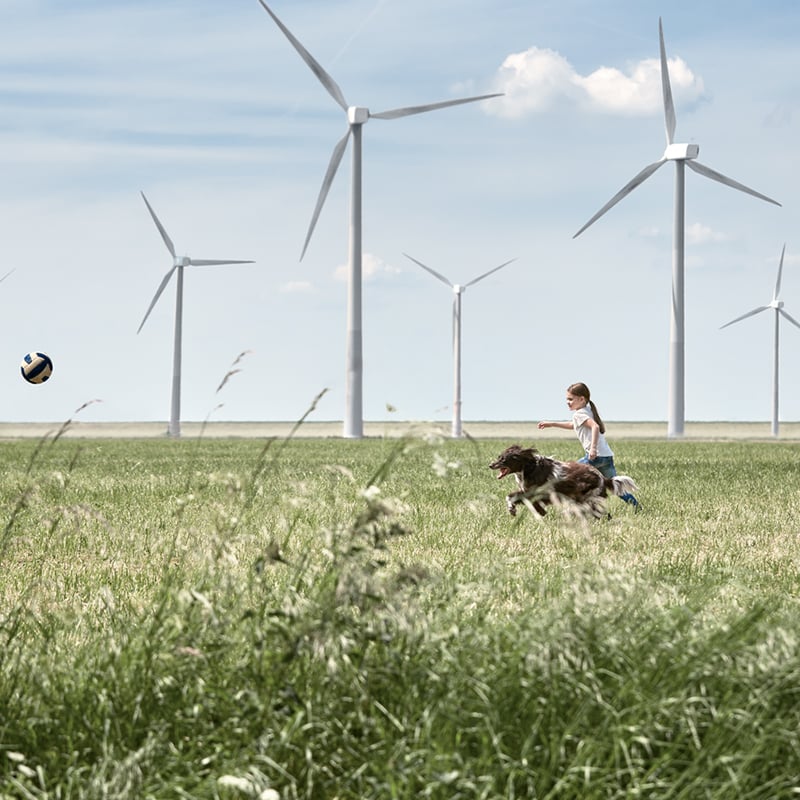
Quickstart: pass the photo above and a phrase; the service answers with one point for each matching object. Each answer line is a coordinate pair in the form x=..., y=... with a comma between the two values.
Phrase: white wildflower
x=371, y=492
x=238, y=784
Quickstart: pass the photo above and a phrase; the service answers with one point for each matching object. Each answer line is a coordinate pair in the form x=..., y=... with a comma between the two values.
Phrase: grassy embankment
x=362, y=619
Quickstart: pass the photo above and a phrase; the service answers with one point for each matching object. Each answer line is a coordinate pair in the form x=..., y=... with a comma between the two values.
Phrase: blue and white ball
x=36, y=367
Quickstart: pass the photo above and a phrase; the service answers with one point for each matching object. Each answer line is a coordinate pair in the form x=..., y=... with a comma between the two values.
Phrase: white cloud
x=697, y=233
x=791, y=260
x=371, y=267
x=538, y=80
x=532, y=81
x=650, y=232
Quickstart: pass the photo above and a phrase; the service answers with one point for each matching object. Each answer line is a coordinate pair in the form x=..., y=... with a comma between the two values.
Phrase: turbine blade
x=203, y=262
x=7, y=274
x=702, y=169
x=789, y=317
x=326, y=80
x=158, y=293
x=428, y=269
x=487, y=274
x=780, y=271
x=164, y=235
x=409, y=110
x=745, y=316
x=333, y=165
x=623, y=192
x=666, y=89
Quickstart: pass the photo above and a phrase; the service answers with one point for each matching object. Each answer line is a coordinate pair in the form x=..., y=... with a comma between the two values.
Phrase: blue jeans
x=605, y=466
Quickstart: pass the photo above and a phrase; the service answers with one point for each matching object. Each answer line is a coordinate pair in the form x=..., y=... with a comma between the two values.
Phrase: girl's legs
x=605, y=465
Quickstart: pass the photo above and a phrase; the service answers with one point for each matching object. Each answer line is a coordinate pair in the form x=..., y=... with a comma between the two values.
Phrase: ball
x=36, y=367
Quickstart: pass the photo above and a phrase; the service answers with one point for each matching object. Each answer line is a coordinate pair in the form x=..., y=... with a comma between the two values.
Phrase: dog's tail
x=622, y=484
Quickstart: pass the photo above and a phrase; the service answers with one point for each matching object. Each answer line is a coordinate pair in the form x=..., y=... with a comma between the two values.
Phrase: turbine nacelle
x=776, y=304
x=356, y=115
x=181, y=261
x=458, y=288
x=681, y=152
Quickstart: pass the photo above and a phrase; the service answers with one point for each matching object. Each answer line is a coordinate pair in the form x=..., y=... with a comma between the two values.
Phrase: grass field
x=324, y=618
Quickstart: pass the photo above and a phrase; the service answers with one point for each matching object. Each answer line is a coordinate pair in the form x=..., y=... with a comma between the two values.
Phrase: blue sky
x=207, y=108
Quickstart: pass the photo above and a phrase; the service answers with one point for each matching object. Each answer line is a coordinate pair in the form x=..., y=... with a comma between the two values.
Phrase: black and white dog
x=541, y=481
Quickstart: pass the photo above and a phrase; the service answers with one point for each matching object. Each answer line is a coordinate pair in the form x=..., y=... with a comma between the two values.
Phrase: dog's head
x=513, y=459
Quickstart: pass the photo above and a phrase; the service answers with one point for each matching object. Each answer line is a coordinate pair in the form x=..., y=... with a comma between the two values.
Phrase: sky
x=207, y=108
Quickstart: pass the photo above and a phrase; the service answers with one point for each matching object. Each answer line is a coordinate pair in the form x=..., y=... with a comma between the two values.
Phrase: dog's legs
x=511, y=503
x=515, y=498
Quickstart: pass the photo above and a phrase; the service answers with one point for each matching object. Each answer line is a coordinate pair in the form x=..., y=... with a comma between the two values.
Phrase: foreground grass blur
x=362, y=619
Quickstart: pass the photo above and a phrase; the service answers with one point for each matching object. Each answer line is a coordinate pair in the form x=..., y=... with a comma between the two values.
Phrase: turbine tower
x=683, y=155
x=777, y=306
x=178, y=264
x=458, y=290
x=356, y=117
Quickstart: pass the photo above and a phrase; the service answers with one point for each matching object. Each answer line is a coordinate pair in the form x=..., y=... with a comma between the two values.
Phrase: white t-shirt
x=584, y=432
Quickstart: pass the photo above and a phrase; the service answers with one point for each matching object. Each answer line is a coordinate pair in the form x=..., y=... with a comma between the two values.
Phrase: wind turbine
x=458, y=290
x=178, y=264
x=682, y=155
x=777, y=306
x=356, y=117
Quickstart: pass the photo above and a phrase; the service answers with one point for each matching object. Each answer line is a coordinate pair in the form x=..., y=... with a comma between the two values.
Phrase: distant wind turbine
x=777, y=306
x=681, y=154
x=458, y=290
x=178, y=263
x=356, y=117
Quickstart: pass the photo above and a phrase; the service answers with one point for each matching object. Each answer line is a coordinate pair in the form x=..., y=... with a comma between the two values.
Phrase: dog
x=542, y=481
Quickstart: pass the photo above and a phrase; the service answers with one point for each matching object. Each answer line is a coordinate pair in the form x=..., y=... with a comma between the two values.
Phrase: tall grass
x=340, y=619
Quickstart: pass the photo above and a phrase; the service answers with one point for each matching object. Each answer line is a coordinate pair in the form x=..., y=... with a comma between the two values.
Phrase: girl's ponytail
x=596, y=415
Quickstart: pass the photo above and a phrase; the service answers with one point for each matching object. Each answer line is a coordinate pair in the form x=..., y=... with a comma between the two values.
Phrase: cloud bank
x=538, y=80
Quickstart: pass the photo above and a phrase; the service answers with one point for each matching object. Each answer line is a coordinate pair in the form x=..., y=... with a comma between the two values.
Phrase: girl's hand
x=542, y=425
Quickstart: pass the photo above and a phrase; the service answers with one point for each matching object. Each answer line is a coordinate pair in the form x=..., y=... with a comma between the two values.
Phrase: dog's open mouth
x=501, y=472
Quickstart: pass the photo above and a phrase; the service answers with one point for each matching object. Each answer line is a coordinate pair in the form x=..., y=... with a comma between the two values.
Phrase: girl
x=591, y=431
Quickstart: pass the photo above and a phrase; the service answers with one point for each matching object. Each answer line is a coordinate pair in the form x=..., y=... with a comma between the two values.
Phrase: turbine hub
x=776, y=304
x=681, y=152
x=182, y=261
x=356, y=115
x=458, y=288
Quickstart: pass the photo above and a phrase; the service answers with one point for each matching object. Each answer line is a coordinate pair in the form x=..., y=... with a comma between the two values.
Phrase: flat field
x=245, y=616
x=478, y=429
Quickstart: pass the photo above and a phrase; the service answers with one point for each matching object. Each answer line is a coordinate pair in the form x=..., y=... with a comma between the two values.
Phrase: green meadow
x=328, y=618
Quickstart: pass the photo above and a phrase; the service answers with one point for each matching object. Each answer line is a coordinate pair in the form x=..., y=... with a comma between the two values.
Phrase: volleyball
x=36, y=367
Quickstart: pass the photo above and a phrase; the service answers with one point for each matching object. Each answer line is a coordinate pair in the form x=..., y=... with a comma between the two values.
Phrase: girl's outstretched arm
x=567, y=426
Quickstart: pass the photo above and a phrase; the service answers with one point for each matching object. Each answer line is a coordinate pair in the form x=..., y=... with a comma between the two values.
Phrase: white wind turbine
x=777, y=306
x=356, y=117
x=682, y=155
x=458, y=290
x=178, y=264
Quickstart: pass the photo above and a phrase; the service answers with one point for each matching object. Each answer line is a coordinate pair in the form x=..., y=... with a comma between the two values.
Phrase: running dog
x=542, y=481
